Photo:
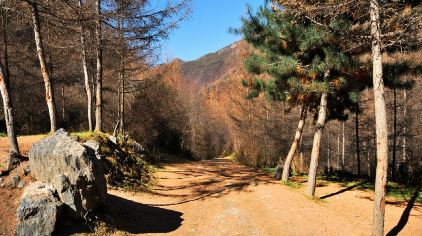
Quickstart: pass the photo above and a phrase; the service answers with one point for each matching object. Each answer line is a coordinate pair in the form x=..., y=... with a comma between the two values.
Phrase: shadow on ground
x=126, y=216
x=203, y=179
x=406, y=213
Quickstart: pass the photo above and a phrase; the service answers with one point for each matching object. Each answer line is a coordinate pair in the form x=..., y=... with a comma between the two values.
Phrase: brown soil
x=9, y=197
x=220, y=197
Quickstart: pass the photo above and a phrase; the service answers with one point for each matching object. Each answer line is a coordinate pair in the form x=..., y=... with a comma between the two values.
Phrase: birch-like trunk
x=8, y=114
x=86, y=73
x=48, y=83
x=295, y=144
x=99, y=75
x=380, y=122
x=5, y=93
x=322, y=114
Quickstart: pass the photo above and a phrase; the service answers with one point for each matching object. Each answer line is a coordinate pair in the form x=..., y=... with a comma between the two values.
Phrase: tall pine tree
x=303, y=64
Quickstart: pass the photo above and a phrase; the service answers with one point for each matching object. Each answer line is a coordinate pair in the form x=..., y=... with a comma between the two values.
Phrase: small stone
x=26, y=170
x=21, y=184
x=19, y=172
x=15, y=181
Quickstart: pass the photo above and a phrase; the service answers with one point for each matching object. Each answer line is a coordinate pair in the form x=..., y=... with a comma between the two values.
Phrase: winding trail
x=221, y=197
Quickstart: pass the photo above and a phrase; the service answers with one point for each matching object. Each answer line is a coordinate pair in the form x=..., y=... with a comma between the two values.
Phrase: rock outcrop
x=38, y=211
x=74, y=170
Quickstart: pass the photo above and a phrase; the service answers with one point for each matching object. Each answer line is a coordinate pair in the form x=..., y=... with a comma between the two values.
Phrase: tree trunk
x=86, y=74
x=316, y=145
x=357, y=138
x=63, y=105
x=295, y=144
x=8, y=114
x=5, y=93
x=48, y=83
x=122, y=100
x=99, y=77
x=405, y=125
x=380, y=122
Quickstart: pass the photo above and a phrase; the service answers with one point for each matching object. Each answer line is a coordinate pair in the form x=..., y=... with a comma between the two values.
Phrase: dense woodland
x=93, y=65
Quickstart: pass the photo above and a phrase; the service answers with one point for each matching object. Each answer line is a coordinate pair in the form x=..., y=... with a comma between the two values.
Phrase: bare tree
x=48, y=83
x=99, y=74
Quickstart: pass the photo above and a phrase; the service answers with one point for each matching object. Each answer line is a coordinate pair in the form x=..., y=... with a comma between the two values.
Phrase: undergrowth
x=395, y=191
x=125, y=166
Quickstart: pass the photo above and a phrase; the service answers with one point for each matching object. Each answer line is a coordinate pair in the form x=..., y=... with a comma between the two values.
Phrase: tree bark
x=99, y=75
x=316, y=145
x=380, y=122
x=48, y=83
x=295, y=144
x=86, y=73
x=5, y=94
x=8, y=111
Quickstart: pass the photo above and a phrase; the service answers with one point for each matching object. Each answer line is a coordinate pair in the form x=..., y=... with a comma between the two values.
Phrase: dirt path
x=220, y=197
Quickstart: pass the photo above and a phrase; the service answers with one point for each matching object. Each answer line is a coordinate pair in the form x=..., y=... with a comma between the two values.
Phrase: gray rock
x=15, y=181
x=12, y=161
x=38, y=210
x=138, y=148
x=21, y=184
x=113, y=139
x=93, y=146
x=73, y=168
x=26, y=170
x=68, y=195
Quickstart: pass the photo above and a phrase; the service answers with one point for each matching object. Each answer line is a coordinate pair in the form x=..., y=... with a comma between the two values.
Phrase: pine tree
x=303, y=64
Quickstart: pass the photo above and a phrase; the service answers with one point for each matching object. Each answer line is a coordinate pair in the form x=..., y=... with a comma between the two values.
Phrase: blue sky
x=207, y=28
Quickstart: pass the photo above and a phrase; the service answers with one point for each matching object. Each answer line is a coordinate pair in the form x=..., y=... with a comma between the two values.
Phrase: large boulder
x=38, y=211
x=74, y=170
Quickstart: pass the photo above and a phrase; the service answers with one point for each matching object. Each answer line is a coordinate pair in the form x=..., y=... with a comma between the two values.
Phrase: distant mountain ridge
x=212, y=66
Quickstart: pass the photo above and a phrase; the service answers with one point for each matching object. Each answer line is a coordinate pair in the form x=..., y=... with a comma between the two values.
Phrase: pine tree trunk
x=86, y=74
x=380, y=121
x=316, y=145
x=48, y=83
x=295, y=144
x=99, y=76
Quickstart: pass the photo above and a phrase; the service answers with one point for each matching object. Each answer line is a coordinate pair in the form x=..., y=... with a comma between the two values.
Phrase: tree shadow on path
x=342, y=190
x=406, y=213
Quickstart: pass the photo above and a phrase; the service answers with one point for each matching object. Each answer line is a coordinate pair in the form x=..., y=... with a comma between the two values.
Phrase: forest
x=315, y=94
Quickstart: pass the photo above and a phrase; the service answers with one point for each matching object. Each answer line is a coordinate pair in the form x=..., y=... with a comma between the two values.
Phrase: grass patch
x=395, y=191
x=292, y=184
x=268, y=170
x=2, y=134
x=88, y=135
